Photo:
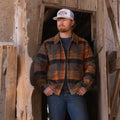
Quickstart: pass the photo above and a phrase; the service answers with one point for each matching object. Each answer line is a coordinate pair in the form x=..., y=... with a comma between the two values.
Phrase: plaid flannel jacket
x=50, y=63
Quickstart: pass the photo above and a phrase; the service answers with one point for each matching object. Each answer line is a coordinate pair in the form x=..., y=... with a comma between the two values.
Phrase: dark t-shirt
x=66, y=44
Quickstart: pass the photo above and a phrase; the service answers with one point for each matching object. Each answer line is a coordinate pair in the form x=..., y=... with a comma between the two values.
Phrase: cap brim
x=55, y=18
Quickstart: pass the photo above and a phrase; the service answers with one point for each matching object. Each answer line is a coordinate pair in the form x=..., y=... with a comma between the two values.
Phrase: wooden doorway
x=84, y=29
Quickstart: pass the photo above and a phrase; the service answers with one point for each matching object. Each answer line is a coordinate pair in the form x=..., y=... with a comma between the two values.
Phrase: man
x=64, y=68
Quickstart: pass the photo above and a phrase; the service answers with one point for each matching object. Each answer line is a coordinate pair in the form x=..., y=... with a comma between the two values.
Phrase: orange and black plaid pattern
x=50, y=63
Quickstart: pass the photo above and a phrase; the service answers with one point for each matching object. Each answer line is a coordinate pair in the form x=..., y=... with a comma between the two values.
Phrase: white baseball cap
x=64, y=13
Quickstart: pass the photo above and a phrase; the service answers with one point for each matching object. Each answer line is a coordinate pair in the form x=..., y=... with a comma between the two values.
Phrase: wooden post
x=116, y=89
x=24, y=87
x=101, y=53
x=1, y=54
x=40, y=25
x=108, y=82
x=118, y=112
x=11, y=83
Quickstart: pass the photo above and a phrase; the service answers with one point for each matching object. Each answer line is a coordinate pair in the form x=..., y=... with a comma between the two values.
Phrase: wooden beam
x=115, y=92
x=100, y=26
x=1, y=54
x=5, y=44
x=40, y=24
x=102, y=87
x=100, y=50
x=90, y=5
x=59, y=2
x=108, y=81
x=93, y=26
x=72, y=3
x=118, y=112
x=11, y=82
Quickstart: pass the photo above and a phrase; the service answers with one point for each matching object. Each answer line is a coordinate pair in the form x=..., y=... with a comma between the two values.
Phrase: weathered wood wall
x=109, y=37
x=89, y=5
x=8, y=79
x=6, y=20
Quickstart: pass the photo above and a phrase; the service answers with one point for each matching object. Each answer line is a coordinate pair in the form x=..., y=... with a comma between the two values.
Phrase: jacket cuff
x=86, y=85
x=44, y=87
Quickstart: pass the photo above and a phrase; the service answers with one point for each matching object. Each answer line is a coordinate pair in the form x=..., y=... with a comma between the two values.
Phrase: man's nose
x=61, y=22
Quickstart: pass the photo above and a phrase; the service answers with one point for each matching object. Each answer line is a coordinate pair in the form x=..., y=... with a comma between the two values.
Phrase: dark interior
x=83, y=29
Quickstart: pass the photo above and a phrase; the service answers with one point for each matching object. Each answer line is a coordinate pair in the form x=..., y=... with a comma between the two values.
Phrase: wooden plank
x=40, y=24
x=102, y=87
x=115, y=92
x=108, y=81
x=118, y=112
x=1, y=55
x=72, y=3
x=2, y=106
x=89, y=5
x=100, y=26
x=93, y=26
x=5, y=44
x=59, y=2
x=101, y=53
x=11, y=82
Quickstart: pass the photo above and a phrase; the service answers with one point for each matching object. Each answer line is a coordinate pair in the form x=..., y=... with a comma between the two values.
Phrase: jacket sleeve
x=89, y=67
x=40, y=67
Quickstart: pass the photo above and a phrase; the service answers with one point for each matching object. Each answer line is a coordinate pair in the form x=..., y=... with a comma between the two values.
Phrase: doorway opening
x=83, y=29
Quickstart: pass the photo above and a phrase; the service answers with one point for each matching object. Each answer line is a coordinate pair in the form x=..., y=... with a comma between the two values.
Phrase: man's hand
x=81, y=91
x=48, y=91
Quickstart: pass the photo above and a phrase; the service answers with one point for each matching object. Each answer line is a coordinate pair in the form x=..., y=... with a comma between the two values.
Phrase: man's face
x=64, y=24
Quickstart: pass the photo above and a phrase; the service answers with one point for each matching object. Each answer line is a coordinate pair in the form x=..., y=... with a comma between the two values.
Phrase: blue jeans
x=74, y=104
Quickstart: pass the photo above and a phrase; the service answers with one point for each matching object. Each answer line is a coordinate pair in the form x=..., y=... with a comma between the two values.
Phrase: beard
x=62, y=29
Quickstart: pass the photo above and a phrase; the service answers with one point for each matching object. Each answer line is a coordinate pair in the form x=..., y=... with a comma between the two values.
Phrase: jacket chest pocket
x=55, y=52
x=76, y=52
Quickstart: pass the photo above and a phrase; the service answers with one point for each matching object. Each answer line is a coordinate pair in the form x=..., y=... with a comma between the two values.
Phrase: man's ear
x=73, y=22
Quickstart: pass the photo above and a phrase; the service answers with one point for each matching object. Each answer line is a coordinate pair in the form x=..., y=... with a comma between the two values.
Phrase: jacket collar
x=57, y=39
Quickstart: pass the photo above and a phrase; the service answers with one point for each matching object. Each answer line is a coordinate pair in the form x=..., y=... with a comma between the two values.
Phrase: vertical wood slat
x=118, y=112
x=40, y=25
x=102, y=88
x=72, y=3
x=108, y=82
x=1, y=54
x=59, y=2
x=11, y=82
x=100, y=25
x=90, y=5
x=101, y=52
x=116, y=89
x=93, y=26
